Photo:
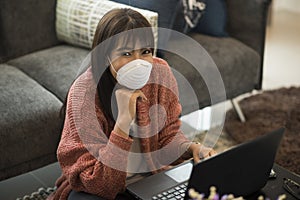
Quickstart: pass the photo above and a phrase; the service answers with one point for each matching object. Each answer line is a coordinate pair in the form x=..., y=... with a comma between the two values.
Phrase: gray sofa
x=37, y=70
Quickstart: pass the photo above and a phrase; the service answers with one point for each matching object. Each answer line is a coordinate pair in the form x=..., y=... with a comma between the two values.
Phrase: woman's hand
x=200, y=152
x=126, y=102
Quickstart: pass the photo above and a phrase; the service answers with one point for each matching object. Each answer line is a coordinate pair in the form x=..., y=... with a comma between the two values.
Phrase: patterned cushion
x=188, y=15
x=76, y=20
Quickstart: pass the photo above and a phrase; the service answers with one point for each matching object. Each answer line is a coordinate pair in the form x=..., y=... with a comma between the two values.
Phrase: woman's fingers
x=212, y=152
x=206, y=152
x=132, y=102
x=196, y=157
x=137, y=94
x=202, y=153
x=126, y=100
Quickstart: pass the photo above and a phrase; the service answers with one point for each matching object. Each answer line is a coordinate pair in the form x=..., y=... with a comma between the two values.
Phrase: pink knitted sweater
x=93, y=157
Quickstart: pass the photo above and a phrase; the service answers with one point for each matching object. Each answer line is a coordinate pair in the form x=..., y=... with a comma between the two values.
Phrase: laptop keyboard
x=177, y=192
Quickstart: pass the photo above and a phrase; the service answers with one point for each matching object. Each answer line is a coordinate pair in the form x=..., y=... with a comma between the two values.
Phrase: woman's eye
x=147, y=51
x=126, y=54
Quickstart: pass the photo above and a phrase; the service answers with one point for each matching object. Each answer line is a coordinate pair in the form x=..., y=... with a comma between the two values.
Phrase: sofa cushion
x=77, y=20
x=54, y=68
x=238, y=65
x=30, y=123
x=26, y=26
x=214, y=20
x=165, y=9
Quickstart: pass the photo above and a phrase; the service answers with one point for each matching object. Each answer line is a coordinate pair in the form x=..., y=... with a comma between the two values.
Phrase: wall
x=290, y=5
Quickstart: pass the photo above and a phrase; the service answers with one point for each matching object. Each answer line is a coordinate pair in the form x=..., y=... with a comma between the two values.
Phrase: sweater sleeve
x=171, y=138
x=89, y=160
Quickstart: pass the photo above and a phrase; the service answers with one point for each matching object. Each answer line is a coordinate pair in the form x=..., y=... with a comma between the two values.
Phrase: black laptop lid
x=241, y=170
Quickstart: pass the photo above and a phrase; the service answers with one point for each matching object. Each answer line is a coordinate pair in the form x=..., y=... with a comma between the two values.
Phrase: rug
x=268, y=111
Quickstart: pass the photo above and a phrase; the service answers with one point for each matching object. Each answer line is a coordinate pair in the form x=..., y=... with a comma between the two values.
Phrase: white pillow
x=76, y=20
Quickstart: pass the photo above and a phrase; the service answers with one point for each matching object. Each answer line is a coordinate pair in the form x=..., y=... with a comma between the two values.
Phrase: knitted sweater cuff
x=120, y=141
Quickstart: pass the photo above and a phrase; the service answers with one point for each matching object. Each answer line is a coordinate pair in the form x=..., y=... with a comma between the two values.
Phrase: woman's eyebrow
x=122, y=49
x=145, y=47
x=130, y=49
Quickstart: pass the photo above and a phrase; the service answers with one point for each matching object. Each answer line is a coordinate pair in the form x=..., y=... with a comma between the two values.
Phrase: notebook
x=241, y=170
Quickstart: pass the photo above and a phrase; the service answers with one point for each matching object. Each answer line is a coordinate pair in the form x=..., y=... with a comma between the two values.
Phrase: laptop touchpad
x=181, y=173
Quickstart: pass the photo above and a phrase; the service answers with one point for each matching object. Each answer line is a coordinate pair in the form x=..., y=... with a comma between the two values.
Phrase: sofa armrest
x=247, y=21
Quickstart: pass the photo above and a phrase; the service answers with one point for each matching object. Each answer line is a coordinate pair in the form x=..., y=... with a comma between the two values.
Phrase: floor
x=281, y=69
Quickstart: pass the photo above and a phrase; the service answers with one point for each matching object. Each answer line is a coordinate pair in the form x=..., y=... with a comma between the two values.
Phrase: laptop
x=241, y=170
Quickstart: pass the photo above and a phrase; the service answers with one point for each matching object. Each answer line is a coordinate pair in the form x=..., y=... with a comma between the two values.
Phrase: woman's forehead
x=130, y=44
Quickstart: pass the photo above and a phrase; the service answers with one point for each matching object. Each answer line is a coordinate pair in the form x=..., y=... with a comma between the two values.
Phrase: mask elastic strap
x=111, y=65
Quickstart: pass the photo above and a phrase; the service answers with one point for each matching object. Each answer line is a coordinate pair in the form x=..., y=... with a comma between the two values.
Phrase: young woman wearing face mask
x=126, y=101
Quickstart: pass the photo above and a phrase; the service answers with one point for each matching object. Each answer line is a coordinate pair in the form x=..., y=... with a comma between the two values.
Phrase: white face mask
x=135, y=74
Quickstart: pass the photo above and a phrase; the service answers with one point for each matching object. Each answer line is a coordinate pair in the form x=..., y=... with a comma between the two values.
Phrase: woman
x=122, y=113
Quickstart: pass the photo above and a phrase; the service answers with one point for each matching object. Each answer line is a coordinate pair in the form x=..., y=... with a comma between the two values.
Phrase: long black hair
x=117, y=22
x=114, y=23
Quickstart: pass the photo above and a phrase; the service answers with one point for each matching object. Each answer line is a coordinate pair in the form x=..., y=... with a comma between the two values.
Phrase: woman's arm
x=171, y=135
x=171, y=139
x=87, y=173
x=89, y=160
